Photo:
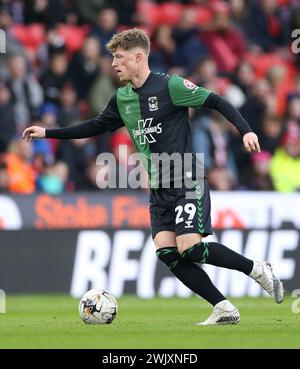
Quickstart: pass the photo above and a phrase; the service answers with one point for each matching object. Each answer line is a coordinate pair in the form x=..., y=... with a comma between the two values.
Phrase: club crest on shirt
x=189, y=84
x=153, y=103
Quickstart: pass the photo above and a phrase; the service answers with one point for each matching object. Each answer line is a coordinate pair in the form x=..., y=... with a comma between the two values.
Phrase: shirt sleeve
x=108, y=120
x=185, y=93
x=223, y=106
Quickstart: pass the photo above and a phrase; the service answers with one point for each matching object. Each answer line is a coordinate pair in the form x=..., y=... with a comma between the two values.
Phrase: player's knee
x=183, y=247
x=186, y=243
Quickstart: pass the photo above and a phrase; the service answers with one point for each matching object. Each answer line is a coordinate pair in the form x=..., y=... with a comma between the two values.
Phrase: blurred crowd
x=56, y=72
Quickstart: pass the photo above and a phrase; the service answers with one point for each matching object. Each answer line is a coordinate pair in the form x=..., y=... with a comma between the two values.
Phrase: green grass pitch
x=52, y=321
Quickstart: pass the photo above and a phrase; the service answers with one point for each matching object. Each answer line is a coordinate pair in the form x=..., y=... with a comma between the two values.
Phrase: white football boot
x=223, y=313
x=262, y=274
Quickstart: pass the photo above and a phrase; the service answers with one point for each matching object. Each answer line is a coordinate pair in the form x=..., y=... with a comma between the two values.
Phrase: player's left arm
x=250, y=139
x=184, y=93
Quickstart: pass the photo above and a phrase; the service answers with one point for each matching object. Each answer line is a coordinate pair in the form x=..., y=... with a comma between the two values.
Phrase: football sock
x=257, y=270
x=217, y=254
x=226, y=305
x=190, y=274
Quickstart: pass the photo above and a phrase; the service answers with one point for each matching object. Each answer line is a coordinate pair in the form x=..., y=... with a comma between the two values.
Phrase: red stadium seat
x=73, y=35
x=30, y=36
x=204, y=15
x=148, y=13
x=263, y=62
x=19, y=32
x=283, y=2
x=169, y=13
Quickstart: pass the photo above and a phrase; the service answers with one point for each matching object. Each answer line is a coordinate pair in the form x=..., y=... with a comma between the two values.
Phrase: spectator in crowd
x=259, y=104
x=238, y=10
x=272, y=131
x=295, y=91
x=225, y=43
x=68, y=112
x=53, y=180
x=206, y=74
x=21, y=174
x=4, y=179
x=15, y=9
x=212, y=139
x=293, y=112
x=105, y=27
x=48, y=115
x=54, y=44
x=266, y=25
x=7, y=118
x=164, y=46
x=220, y=179
x=47, y=12
x=260, y=179
x=84, y=67
x=88, y=10
x=189, y=47
x=244, y=77
x=126, y=10
x=100, y=92
x=47, y=118
x=103, y=86
x=55, y=77
x=77, y=154
x=26, y=92
x=278, y=77
x=285, y=163
x=12, y=45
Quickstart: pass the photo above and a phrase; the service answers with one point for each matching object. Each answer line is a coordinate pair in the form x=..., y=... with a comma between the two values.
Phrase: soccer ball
x=98, y=307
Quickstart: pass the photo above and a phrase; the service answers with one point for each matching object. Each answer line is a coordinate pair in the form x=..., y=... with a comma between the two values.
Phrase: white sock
x=225, y=305
x=256, y=270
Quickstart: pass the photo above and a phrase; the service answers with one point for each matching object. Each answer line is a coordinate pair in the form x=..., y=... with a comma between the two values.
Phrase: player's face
x=125, y=63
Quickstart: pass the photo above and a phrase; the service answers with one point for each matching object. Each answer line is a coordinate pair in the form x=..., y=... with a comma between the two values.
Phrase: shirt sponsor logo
x=153, y=103
x=145, y=131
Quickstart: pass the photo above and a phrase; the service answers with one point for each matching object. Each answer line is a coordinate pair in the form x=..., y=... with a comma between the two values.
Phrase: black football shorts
x=181, y=210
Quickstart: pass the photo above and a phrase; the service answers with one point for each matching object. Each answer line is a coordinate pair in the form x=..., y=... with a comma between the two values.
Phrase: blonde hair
x=128, y=40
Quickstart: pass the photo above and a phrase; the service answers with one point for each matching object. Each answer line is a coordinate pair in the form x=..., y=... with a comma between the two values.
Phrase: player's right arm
x=85, y=129
x=108, y=120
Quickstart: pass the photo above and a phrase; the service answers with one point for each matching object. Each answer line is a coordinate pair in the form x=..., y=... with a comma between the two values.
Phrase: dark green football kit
x=157, y=118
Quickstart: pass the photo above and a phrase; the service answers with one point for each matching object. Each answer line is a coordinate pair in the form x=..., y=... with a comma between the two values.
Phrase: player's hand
x=251, y=143
x=33, y=132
